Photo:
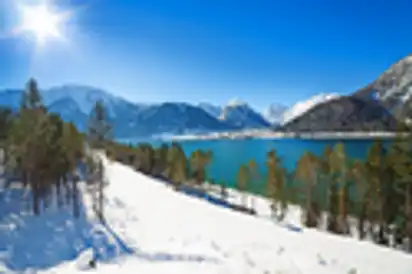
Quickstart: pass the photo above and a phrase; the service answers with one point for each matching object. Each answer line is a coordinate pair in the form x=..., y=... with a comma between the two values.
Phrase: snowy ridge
x=302, y=107
x=164, y=231
x=84, y=96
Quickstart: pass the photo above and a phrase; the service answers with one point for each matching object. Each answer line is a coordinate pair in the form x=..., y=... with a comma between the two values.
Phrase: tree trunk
x=46, y=197
x=58, y=193
x=309, y=215
x=101, y=191
x=408, y=213
x=75, y=199
x=342, y=219
x=35, y=190
x=67, y=189
x=361, y=221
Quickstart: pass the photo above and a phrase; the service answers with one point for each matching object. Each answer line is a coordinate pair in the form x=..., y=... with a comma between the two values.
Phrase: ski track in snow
x=151, y=228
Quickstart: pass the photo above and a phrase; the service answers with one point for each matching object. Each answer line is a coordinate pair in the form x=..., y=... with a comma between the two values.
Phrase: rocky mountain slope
x=380, y=105
x=303, y=106
x=242, y=115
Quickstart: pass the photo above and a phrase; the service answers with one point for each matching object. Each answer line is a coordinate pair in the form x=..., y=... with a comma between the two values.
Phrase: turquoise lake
x=228, y=155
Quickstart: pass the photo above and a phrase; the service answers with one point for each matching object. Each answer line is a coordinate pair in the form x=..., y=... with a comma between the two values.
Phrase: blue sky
x=215, y=50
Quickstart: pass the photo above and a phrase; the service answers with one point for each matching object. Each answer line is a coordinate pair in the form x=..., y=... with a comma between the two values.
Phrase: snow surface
x=151, y=228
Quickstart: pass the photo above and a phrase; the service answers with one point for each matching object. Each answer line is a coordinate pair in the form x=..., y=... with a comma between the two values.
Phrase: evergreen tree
x=99, y=128
x=359, y=175
x=99, y=133
x=276, y=185
x=243, y=179
x=338, y=162
x=254, y=178
x=401, y=161
x=329, y=180
x=307, y=173
x=198, y=163
x=28, y=139
x=375, y=165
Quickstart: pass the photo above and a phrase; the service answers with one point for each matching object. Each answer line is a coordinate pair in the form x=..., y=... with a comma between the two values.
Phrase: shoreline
x=264, y=134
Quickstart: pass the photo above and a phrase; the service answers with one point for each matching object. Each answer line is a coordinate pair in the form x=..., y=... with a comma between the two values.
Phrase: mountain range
x=132, y=120
x=378, y=106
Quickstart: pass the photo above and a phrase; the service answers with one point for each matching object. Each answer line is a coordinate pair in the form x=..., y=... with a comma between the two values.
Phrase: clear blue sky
x=214, y=50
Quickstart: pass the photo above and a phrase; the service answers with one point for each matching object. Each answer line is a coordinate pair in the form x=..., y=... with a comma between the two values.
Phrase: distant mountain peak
x=236, y=102
x=241, y=114
x=274, y=113
x=393, y=89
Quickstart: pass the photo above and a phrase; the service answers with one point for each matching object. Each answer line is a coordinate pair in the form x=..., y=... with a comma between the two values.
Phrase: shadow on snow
x=56, y=236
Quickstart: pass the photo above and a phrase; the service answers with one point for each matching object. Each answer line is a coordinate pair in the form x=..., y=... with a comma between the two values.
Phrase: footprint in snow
x=321, y=260
x=215, y=246
x=352, y=271
x=281, y=250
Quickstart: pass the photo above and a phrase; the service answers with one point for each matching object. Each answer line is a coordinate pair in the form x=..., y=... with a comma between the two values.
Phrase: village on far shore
x=269, y=134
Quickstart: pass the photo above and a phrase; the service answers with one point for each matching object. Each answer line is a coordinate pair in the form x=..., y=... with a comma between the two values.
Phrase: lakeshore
x=267, y=134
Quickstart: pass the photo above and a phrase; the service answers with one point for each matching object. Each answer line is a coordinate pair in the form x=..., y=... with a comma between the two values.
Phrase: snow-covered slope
x=239, y=113
x=84, y=96
x=213, y=110
x=157, y=230
x=274, y=113
x=301, y=107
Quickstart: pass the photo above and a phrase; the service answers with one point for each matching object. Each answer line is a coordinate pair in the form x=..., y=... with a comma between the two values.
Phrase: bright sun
x=41, y=22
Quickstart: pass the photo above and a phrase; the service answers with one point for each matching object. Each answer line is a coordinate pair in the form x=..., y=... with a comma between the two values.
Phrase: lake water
x=228, y=155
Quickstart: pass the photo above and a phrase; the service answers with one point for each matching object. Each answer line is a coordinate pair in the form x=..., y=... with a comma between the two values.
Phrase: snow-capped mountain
x=242, y=115
x=381, y=105
x=274, y=113
x=302, y=107
x=74, y=103
x=393, y=89
x=213, y=110
x=177, y=118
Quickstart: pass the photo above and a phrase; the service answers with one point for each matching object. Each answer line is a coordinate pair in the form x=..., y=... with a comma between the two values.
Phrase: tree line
x=332, y=189
x=167, y=162
x=44, y=153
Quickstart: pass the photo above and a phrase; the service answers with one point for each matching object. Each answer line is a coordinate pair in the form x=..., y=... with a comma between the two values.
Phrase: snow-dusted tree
x=98, y=135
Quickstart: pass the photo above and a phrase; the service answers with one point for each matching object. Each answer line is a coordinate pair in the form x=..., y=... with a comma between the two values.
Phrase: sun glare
x=41, y=22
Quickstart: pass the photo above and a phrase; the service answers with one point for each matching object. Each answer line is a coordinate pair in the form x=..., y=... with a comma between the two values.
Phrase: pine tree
x=99, y=133
x=328, y=178
x=27, y=141
x=276, y=185
x=99, y=128
x=243, y=179
x=198, y=163
x=254, y=177
x=338, y=162
x=401, y=162
x=307, y=173
x=358, y=173
x=375, y=165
